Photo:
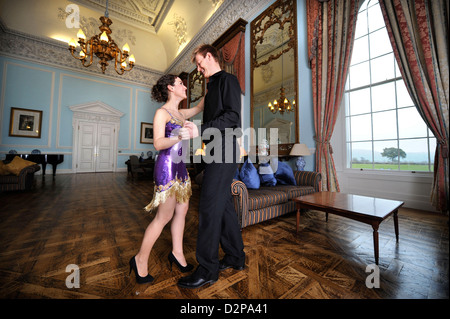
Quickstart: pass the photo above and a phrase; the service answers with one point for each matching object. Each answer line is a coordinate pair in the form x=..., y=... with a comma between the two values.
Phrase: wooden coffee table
x=368, y=210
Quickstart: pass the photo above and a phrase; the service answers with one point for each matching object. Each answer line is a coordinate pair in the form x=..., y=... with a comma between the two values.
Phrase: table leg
x=298, y=218
x=396, y=224
x=375, y=240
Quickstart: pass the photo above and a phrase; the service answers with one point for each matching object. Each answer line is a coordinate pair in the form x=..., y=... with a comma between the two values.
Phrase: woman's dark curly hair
x=160, y=92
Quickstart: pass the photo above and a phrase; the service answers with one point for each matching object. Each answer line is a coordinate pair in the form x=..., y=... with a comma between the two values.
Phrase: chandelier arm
x=76, y=57
x=91, y=59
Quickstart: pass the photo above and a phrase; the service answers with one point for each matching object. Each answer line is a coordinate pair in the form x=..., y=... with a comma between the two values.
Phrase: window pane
x=432, y=150
x=376, y=20
x=403, y=97
x=383, y=97
x=410, y=123
x=384, y=125
x=416, y=155
x=359, y=101
x=382, y=68
x=361, y=24
x=361, y=128
x=361, y=155
x=379, y=43
x=360, y=50
x=363, y=7
x=359, y=75
x=389, y=150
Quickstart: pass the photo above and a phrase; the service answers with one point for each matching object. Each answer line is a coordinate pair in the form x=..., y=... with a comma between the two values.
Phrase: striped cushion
x=261, y=198
x=292, y=191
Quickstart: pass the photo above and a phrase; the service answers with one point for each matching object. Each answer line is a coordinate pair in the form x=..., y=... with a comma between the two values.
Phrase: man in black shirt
x=218, y=222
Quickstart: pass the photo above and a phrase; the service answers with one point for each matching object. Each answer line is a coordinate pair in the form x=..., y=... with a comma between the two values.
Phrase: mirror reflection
x=196, y=91
x=274, y=72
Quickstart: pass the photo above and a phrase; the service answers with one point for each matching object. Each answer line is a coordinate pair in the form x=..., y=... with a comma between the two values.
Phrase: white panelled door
x=96, y=150
x=95, y=137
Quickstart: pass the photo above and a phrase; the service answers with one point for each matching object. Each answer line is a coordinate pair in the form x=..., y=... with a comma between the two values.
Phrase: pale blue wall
x=34, y=86
x=50, y=89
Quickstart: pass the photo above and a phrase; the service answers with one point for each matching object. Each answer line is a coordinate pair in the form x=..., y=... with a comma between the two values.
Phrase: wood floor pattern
x=96, y=221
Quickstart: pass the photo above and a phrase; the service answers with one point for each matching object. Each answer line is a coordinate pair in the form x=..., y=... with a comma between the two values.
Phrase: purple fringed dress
x=170, y=174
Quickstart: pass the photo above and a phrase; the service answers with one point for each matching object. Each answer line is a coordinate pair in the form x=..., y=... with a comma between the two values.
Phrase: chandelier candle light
x=283, y=104
x=103, y=47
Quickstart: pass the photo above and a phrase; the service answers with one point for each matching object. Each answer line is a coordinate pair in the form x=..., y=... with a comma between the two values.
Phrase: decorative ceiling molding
x=221, y=20
x=20, y=45
x=90, y=27
x=145, y=14
x=179, y=28
x=51, y=52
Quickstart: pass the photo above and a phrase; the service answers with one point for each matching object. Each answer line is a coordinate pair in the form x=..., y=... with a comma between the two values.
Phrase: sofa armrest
x=308, y=178
x=29, y=170
x=240, y=197
x=26, y=176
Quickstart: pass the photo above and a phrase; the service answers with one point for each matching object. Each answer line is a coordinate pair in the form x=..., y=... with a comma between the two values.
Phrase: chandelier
x=103, y=47
x=283, y=106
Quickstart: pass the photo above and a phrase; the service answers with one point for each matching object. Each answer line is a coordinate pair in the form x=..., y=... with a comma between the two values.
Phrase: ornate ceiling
x=156, y=30
x=147, y=14
x=161, y=33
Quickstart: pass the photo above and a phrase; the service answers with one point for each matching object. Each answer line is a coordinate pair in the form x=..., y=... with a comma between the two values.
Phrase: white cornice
x=51, y=52
x=227, y=14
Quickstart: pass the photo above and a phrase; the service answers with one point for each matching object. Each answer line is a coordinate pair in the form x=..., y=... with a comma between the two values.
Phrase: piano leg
x=44, y=165
x=54, y=169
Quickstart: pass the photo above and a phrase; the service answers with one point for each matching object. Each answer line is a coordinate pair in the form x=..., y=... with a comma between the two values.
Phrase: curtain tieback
x=444, y=148
x=325, y=143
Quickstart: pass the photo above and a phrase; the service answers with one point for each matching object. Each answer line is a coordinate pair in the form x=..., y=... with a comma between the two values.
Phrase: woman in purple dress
x=172, y=182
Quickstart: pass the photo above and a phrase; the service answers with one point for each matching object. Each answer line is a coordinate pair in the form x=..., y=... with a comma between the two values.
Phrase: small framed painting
x=25, y=123
x=146, y=133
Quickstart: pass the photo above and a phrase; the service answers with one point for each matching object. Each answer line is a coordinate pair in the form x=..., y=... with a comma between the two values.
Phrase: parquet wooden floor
x=96, y=221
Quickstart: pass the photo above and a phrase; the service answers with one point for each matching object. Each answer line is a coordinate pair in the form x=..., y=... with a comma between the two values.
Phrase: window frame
x=347, y=113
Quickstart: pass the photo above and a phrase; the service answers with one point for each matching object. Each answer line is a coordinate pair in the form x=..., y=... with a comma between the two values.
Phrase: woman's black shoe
x=140, y=280
x=183, y=269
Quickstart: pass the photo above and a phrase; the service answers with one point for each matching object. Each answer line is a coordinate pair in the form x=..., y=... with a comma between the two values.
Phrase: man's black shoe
x=224, y=265
x=196, y=280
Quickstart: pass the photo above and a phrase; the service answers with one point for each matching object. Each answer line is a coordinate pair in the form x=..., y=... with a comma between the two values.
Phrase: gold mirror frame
x=282, y=13
x=197, y=87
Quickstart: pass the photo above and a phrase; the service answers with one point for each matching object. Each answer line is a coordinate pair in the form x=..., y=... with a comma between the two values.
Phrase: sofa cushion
x=18, y=164
x=265, y=197
x=266, y=175
x=285, y=174
x=292, y=191
x=249, y=175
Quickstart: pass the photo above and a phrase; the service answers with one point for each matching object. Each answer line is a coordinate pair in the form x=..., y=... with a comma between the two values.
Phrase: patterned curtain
x=418, y=31
x=232, y=56
x=331, y=26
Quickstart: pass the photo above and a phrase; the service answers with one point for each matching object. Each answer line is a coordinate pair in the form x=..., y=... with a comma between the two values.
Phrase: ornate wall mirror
x=274, y=74
x=196, y=89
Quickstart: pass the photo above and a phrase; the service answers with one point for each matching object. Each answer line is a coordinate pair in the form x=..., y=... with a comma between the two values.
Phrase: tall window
x=384, y=131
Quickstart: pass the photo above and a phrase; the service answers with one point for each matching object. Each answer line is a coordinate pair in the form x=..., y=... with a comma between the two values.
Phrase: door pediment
x=96, y=111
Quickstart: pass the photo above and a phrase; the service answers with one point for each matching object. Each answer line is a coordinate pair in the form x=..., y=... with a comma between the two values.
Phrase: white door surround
x=95, y=127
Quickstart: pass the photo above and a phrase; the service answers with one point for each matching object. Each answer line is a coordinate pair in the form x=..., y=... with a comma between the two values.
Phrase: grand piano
x=43, y=159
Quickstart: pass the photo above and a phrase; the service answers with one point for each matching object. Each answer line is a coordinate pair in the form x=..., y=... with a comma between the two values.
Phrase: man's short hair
x=203, y=50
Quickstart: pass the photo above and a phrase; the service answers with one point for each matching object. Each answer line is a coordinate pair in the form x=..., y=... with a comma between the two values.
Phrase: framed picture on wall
x=146, y=133
x=25, y=123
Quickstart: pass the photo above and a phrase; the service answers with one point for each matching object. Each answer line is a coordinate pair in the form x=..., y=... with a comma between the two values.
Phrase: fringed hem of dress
x=181, y=189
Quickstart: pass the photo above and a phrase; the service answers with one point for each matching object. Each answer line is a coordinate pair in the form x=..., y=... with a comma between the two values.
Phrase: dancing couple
x=218, y=223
